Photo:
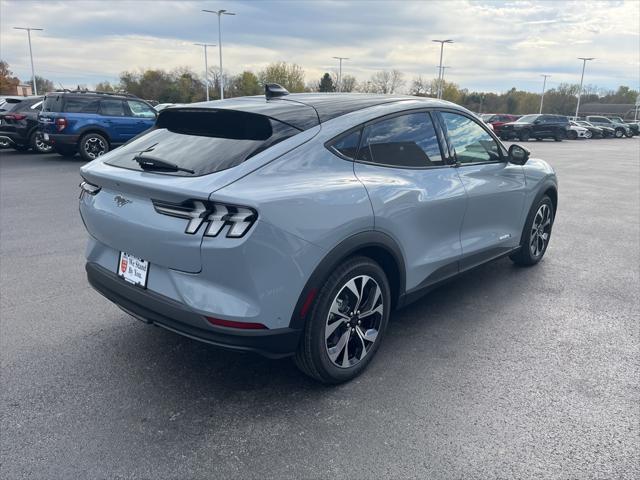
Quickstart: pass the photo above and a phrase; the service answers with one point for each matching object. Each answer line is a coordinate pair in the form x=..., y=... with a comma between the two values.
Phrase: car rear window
x=204, y=141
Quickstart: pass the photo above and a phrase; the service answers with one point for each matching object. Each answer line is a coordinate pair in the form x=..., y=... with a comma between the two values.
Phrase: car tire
x=536, y=233
x=37, y=143
x=571, y=135
x=92, y=146
x=588, y=134
x=628, y=134
x=336, y=327
x=524, y=135
x=619, y=133
x=558, y=138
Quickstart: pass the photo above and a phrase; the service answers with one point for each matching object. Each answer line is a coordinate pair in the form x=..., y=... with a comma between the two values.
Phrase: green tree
x=288, y=75
x=245, y=84
x=326, y=84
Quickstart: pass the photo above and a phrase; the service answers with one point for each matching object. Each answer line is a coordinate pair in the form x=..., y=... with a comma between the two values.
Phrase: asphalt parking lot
x=504, y=373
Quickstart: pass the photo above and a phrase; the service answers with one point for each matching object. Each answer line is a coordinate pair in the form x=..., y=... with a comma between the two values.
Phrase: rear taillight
x=89, y=188
x=15, y=116
x=216, y=216
x=61, y=123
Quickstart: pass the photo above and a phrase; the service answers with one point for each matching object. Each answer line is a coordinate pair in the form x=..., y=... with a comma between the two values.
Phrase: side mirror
x=518, y=155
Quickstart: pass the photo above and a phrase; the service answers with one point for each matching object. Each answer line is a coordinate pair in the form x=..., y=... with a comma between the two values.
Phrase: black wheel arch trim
x=348, y=247
x=93, y=129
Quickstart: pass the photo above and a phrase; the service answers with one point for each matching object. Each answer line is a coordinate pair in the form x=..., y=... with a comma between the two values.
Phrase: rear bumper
x=16, y=137
x=164, y=312
x=61, y=139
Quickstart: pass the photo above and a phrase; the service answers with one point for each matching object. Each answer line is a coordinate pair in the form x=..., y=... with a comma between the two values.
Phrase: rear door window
x=81, y=105
x=407, y=140
x=347, y=145
x=204, y=141
x=110, y=107
x=52, y=103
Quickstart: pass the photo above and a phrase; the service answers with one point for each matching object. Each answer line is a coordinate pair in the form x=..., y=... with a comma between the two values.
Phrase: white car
x=576, y=131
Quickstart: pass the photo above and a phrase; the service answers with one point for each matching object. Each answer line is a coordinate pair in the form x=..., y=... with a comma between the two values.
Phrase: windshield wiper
x=157, y=164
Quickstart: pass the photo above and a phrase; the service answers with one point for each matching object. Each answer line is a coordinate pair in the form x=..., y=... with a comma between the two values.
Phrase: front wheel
x=572, y=135
x=619, y=133
x=588, y=134
x=536, y=233
x=524, y=135
x=346, y=323
x=628, y=134
x=92, y=146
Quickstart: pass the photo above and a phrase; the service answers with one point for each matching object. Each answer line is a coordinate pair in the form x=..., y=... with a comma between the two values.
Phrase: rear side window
x=204, y=141
x=111, y=108
x=471, y=142
x=347, y=145
x=81, y=105
x=404, y=141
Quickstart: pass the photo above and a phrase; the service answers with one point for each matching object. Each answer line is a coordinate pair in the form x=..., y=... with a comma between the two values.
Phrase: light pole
x=441, y=42
x=544, y=84
x=441, y=82
x=584, y=64
x=33, y=73
x=206, y=65
x=220, y=13
x=340, y=59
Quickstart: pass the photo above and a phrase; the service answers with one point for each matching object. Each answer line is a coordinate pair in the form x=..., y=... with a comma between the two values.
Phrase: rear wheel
x=588, y=134
x=572, y=135
x=346, y=323
x=619, y=133
x=92, y=146
x=36, y=142
x=536, y=234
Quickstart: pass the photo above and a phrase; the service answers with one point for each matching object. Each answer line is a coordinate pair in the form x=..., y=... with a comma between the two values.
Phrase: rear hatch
x=190, y=153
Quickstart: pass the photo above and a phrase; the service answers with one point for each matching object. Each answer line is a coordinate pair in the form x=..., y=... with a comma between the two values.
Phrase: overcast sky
x=498, y=44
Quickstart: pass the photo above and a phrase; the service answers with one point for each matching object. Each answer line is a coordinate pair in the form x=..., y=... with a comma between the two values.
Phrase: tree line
x=183, y=85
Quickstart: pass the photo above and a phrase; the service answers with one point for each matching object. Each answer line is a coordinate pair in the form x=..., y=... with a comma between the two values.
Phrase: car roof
x=307, y=110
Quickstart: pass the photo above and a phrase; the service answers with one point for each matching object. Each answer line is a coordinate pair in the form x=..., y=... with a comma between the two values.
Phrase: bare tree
x=387, y=81
x=422, y=87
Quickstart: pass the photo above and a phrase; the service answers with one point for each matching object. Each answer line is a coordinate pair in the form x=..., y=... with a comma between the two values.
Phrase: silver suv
x=293, y=225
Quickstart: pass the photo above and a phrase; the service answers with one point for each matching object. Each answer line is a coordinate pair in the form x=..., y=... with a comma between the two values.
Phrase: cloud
x=497, y=44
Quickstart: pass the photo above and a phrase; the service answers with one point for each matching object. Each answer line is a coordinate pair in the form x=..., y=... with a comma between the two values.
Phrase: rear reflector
x=231, y=324
x=308, y=302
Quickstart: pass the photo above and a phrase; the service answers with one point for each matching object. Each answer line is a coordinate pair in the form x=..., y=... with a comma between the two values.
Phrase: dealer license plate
x=133, y=269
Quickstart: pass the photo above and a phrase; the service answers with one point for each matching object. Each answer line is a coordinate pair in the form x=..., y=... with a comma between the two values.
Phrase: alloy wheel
x=41, y=146
x=354, y=321
x=95, y=147
x=540, y=231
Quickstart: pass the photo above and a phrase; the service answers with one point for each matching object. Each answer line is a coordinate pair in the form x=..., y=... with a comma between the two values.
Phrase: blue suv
x=293, y=225
x=92, y=123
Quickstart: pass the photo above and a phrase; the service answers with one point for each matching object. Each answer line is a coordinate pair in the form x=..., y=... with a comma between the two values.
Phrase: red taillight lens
x=231, y=324
x=15, y=116
x=61, y=123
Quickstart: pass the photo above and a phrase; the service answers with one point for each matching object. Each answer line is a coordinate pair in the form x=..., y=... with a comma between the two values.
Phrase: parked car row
x=70, y=122
x=558, y=127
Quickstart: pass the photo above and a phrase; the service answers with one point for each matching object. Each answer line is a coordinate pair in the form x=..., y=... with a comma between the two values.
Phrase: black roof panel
x=303, y=110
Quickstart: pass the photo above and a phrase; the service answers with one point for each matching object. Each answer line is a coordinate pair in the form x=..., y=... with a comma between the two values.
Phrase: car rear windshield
x=202, y=141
